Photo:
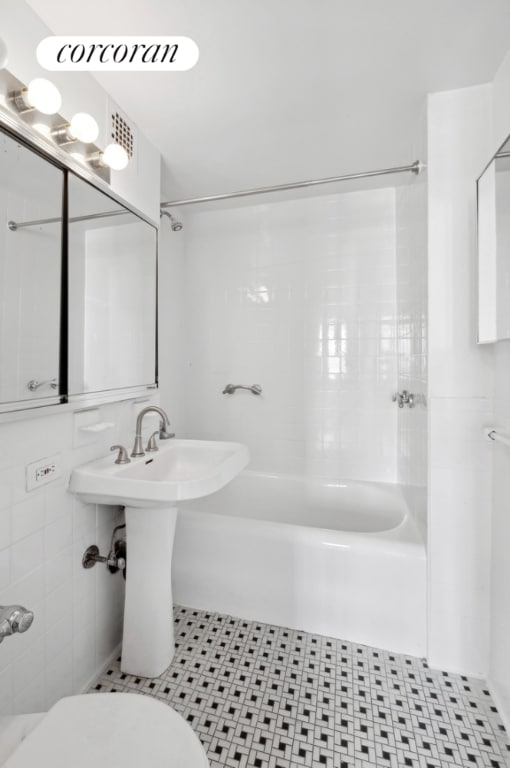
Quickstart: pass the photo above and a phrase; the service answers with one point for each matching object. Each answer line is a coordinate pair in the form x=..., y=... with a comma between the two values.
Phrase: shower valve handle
x=403, y=398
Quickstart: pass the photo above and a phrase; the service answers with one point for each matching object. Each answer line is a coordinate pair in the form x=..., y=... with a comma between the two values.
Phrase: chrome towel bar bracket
x=33, y=385
x=494, y=435
x=255, y=389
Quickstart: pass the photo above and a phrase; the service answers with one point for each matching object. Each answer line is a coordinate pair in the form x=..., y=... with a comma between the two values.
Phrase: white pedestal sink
x=150, y=488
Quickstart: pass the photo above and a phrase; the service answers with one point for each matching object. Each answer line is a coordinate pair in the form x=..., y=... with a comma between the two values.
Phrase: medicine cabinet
x=493, y=199
x=78, y=286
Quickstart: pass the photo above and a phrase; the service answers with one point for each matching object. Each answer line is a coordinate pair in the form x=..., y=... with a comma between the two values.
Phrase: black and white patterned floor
x=262, y=696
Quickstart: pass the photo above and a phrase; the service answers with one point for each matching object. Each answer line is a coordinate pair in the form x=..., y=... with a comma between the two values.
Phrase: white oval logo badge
x=117, y=54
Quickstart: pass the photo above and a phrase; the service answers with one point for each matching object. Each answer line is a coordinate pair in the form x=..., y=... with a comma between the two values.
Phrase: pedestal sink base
x=148, y=487
x=148, y=645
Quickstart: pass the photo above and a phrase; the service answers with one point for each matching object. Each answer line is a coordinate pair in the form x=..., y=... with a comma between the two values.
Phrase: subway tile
x=32, y=698
x=59, y=677
x=58, y=636
x=5, y=527
x=42, y=568
x=5, y=567
x=57, y=501
x=27, y=591
x=58, y=535
x=7, y=688
x=27, y=517
x=58, y=570
x=27, y=555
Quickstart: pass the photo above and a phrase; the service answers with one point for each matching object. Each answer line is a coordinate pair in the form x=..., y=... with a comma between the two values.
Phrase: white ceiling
x=291, y=89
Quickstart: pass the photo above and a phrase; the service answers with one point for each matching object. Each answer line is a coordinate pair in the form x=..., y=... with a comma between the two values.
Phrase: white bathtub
x=343, y=559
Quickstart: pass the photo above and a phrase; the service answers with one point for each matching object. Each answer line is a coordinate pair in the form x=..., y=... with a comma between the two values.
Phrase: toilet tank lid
x=110, y=729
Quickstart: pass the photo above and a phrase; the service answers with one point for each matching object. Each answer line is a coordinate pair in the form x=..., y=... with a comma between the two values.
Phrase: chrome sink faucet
x=164, y=427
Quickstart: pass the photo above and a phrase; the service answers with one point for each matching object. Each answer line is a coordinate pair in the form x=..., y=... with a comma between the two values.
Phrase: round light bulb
x=84, y=128
x=115, y=156
x=3, y=54
x=43, y=96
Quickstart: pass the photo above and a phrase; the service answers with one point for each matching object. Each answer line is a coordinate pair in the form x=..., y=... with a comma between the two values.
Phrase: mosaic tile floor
x=261, y=696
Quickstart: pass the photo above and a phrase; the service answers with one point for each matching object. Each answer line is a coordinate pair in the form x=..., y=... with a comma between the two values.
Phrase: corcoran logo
x=117, y=53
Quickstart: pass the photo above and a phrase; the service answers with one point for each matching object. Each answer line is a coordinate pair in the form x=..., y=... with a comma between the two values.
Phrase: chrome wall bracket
x=255, y=389
x=33, y=385
x=404, y=398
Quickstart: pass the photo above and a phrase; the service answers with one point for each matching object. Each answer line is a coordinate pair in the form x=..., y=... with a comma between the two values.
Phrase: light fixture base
x=19, y=102
x=61, y=135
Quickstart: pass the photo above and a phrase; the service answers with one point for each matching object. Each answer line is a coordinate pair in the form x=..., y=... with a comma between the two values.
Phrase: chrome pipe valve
x=403, y=398
x=115, y=559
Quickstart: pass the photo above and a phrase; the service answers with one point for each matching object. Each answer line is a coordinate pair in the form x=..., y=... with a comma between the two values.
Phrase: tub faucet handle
x=403, y=398
x=163, y=434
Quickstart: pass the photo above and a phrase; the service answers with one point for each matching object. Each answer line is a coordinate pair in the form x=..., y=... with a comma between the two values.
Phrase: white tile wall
x=460, y=381
x=411, y=270
x=173, y=317
x=43, y=534
x=499, y=673
x=299, y=297
x=459, y=534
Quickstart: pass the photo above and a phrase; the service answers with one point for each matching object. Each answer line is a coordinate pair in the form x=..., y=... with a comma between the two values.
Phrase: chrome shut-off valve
x=403, y=398
x=13, y=619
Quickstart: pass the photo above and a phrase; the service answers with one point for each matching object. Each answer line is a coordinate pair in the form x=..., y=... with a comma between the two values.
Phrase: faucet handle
x=152, y=444
x=163, y=434
x=122, y=457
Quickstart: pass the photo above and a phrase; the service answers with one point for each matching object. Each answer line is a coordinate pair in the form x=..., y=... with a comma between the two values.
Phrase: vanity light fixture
x=79, y=157
x=82, y=128
x=43, y=129
x=41, y=94
x=114, y=156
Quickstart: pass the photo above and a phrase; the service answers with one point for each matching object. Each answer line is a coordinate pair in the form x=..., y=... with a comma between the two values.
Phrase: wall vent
x=121, y=130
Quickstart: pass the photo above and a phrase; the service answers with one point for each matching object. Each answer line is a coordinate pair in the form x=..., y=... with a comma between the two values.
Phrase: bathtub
x=343, y=559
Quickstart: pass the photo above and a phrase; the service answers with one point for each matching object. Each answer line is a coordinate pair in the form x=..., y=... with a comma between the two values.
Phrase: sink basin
x=181, y=469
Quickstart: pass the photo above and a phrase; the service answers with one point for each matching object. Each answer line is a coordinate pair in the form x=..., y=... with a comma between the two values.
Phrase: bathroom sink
x=179, y=470
x=150, y=487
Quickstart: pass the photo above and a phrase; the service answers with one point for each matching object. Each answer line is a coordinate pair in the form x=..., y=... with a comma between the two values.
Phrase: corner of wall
x=460, y=386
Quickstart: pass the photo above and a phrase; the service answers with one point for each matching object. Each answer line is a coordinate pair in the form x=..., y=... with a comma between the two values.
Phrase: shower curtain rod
x=15, y=225
x=416, y=168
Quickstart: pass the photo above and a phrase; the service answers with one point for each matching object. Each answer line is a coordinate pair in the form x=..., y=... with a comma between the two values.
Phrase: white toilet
x=107, y=730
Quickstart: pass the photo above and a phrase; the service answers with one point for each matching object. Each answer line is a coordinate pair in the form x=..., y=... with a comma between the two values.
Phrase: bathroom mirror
x=112, y=293
x=31, y=204
x=493, y=196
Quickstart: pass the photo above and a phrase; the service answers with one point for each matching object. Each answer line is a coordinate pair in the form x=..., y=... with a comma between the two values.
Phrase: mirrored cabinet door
x=493, y=188
x=112, y=294
x=31, y=206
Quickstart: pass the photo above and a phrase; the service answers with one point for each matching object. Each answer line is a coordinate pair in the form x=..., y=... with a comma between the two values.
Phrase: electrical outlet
x=43, y=471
